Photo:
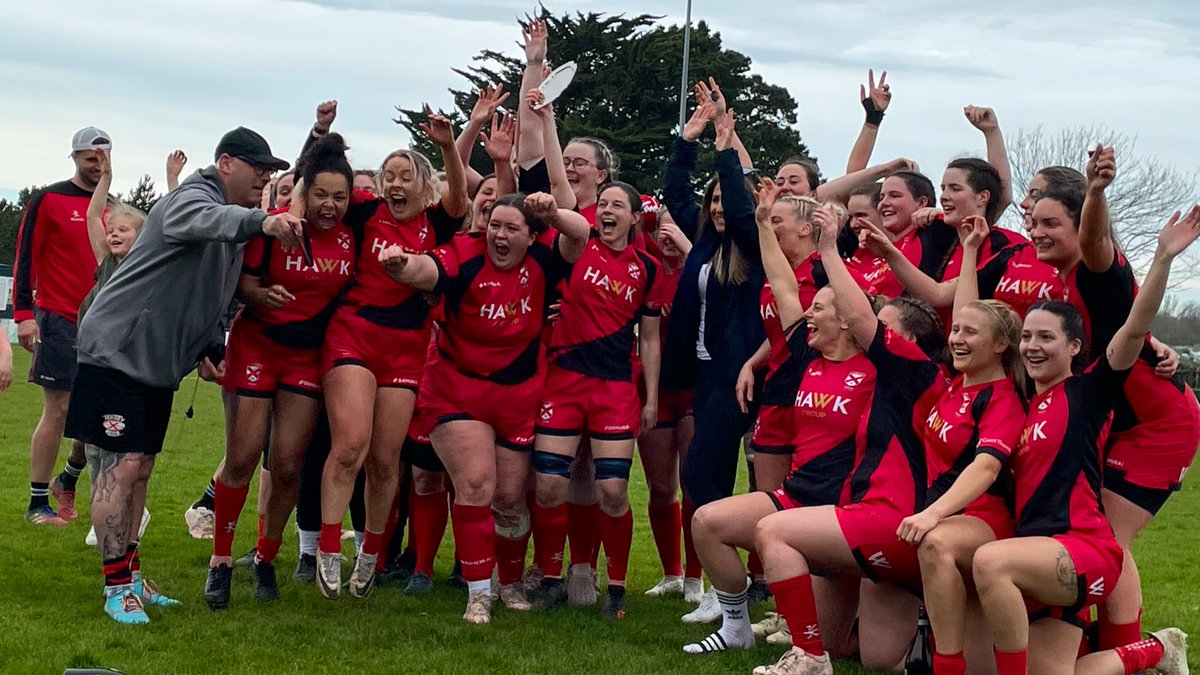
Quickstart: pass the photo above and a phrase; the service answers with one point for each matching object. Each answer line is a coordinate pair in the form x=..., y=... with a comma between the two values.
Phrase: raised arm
x=455, y=202
x=529, y=143
x=916, y=282
x=555, y=169
x=678, y=194
x=710, y=91
x=736, y=200
x=175, y=163
x=1095, y=228
x=498, y=145
x=418, y=271
x=972, y=233
x=779, y=271
x=574, y=228
x=984, y=119
x=875, y=101
x=1178, y=234
x=853, y=305
x=97, y=237
x=839, y=189
x=484, y=111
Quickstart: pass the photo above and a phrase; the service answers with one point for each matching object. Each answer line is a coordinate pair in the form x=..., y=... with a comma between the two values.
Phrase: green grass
x=52, y=619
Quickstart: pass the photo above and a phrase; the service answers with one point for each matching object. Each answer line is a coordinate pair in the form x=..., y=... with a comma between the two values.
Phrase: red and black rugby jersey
x=1017, y=278
x=54, y=254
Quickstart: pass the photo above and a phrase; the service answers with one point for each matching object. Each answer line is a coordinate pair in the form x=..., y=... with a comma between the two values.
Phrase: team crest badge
x=344, y=240
x=524, y=275
x=854, y=379
x=253, y=373
x=114, y=425
x=1045, y=404
x=547, y=411
x=966, y=402
x=634, y=271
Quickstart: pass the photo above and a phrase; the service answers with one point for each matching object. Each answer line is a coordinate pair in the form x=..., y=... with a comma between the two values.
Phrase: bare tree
x=1144, y=195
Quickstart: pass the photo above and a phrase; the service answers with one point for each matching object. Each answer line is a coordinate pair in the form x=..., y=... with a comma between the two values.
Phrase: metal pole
x=683, y=81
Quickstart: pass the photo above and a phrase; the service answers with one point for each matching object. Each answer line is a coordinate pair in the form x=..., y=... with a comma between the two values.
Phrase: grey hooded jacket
x=163, y=306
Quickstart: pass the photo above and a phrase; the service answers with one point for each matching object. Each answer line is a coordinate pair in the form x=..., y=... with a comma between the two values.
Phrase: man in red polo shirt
x=53, y=273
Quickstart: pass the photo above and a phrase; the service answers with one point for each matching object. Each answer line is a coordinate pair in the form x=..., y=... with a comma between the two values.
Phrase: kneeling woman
x=857, y=539
x=1065, y=556
x=834, y=386
x=482, y=384
x=275, y=364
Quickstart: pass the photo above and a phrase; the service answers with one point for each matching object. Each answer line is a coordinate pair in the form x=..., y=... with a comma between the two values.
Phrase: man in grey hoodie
x=157, y=319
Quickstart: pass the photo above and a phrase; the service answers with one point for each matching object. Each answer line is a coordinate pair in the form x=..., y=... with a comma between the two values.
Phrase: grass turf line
x=55, y=621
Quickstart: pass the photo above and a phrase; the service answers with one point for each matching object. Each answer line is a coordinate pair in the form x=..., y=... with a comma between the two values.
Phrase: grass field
x=52, y=618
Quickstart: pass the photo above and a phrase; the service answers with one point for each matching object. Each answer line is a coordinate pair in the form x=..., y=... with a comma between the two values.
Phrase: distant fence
x=1191, y=375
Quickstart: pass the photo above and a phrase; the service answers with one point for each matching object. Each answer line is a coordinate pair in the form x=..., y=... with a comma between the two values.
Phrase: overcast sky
x=159, y=76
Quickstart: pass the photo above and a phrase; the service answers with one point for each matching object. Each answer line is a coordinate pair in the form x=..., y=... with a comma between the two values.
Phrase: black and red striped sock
x=134, y=559
x=116, y=572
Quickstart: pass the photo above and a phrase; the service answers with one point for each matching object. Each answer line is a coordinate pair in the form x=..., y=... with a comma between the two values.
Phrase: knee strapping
x=552, y=464
x=512, y=525
x=610, y=468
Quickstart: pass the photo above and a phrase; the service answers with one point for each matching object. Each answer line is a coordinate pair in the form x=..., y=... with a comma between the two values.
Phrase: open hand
x=488, y=102
x=438, y=129
x=499, y=143
x=175, y=162
x=1179, y=233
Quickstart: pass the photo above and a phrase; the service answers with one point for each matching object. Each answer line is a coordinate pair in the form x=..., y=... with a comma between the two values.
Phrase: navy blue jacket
x=733, y=328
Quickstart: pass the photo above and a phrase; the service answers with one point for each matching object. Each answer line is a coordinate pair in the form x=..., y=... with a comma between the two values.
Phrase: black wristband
x=874, y=116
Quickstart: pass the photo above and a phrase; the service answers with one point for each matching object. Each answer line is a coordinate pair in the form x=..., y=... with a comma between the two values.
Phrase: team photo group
x=946, y=423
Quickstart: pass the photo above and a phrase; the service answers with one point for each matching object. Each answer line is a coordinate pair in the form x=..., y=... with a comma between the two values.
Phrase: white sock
x=308, y=541
x=483, y=586
x=735, y=629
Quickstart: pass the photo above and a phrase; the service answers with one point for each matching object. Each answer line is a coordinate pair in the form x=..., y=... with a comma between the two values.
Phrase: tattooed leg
x=112, y=501
x=1008, y=571
x=145, y=467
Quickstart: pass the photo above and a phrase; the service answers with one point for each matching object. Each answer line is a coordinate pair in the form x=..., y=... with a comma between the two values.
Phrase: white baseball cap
x=90, y=138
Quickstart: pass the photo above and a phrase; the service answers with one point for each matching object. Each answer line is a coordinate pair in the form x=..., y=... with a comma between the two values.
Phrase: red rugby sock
x=617, y=534
x=227, y=506
x=949, y=664
x=372, y=543
x=1141, y=655
x=693, y=570
x=330, y=541
x=795, y=601
x=1113, y=635
x=429, y=513
x=582, y=522
x=754, y=565
x=1011, y=663
x=666, y=522
x=268, y=549
x=474, y=539
x=510, y=558
x=549, y=538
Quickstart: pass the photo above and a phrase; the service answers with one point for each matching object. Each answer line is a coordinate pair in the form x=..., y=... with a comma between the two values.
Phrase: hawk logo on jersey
x=601, y=280
x=938, y=425
x=854, y=379
x=1096, y=588
x=878, y=560
x=768, y=311
x=818, y=402
x=334, y=266
x=1033, y=432
x=114, y=425
x=634, y=271
x=547, y=410
x=344, y=240
x=254, y=372
x=501, y=311
x=1037, y=289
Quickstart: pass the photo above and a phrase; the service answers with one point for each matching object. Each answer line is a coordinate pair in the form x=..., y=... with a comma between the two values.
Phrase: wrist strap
x=874, y=116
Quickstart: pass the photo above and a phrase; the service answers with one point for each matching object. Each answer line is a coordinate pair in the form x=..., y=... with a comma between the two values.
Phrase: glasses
x=260, y=170
x=576, y=162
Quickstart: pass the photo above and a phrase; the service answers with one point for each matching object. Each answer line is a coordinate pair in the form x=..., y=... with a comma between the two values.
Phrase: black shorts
x=54, y=357
x=1150, y=499
x=110, y=410
x=421, y=455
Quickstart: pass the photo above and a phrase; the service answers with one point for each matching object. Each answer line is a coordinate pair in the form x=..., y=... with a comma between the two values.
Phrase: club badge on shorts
x=114, y=425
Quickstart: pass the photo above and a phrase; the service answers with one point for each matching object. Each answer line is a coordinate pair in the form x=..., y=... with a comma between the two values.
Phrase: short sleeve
x=999, y=428
x=1100, y=385
x=448, y=258
x=991, y=272
x=444, y=225
x=253, y=256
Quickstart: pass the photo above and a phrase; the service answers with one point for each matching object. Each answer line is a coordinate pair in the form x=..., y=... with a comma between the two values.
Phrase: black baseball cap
x=248, y=146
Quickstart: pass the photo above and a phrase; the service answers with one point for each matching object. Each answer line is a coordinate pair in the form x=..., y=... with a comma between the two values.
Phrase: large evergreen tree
x=626, y=92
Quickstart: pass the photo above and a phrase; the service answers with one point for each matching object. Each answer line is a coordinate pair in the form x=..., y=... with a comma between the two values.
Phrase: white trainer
x=668, y=585
x=796, y=662
x=1174, y=659
x=770, y=625
x=693, y=590
x=513, y=597
x=581, y=586
x=479, y=608
x=329, y=574
x=362, y=578
x=708, y=611
x=199, y=522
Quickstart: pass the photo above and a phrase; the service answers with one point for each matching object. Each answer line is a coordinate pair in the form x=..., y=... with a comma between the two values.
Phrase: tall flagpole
x=683, y=80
